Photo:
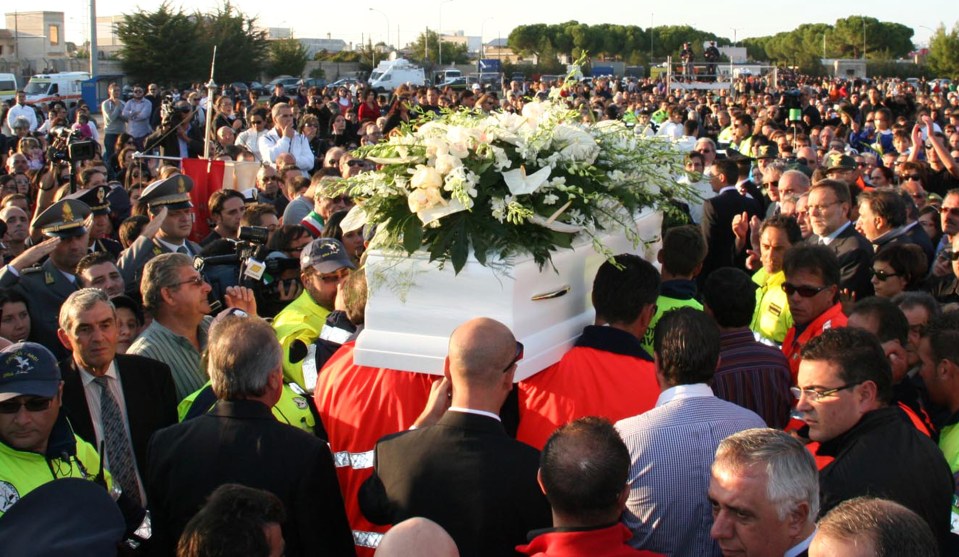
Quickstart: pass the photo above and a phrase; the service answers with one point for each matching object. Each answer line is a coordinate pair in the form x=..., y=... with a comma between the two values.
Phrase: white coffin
x=413, y=306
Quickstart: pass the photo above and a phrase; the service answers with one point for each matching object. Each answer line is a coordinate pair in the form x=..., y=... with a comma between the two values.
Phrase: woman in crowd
x=310, y=129
x=14, y=317
x=898, y=268
x=352, y=240
x=930, y=221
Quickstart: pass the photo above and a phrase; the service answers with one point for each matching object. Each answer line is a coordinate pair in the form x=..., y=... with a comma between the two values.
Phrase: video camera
x=66, y=147
x=246, y=262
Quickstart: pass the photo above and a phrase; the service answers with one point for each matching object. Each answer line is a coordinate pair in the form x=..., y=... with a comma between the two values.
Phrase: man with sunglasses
x=812, y=291
x=137, y=112
x=844, y=393
x=324, y=264
x=37, y=444
x=464, y=473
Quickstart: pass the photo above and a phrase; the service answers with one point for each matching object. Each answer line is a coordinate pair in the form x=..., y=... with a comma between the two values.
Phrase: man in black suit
x=829, y=205
x=750, y=465
x=142, y=389
x=464, y=473
x=239, y=441
x=718, y=214
x=882, y=218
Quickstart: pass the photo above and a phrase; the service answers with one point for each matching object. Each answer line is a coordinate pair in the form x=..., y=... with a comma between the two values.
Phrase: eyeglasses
x=256, y=122
x=272, y=179
x=949, y=255
x=356, y=162
x=913, y=177
x=196, y=281
x=772, y=184
x=803, y=291
x=517, y=357
x=816, y=396
x=309, y=125
x=883, y=276
x=953, y=211
x=31, y=404
x=820, y=208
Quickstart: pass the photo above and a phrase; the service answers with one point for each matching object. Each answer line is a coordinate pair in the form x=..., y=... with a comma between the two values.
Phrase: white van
x=448, y=74
x=8, y=86
x=390, y=74
x=65, y=86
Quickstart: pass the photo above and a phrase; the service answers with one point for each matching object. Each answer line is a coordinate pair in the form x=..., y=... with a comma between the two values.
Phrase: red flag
x=207, y=178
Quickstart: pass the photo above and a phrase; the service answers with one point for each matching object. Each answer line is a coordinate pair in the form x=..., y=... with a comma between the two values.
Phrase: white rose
x=426, y=177
x=445, y=163
x=425, y=198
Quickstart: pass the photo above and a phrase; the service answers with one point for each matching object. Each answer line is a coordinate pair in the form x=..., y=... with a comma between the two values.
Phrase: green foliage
x=160, y=45
x=287, y=56
x=943, y=57
x=606, y=41
x=241, y=49
x=171, y=46
x=426, y=49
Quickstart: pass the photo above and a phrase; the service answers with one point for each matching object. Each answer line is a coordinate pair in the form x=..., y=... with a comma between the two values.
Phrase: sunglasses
x=803, y=291
x=256, y=122
x=196, y=281
x=356, y=162
x=913, y=177
x=32, y=405
x=883, y=276
x=516, y=357
x=947, y=255
x=953, y=211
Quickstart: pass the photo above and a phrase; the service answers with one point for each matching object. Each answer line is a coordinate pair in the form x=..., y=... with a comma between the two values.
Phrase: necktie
x=183, y=250
x=119, y=450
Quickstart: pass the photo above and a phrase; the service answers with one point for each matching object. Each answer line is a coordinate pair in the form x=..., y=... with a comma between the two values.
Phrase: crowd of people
x=783, y=381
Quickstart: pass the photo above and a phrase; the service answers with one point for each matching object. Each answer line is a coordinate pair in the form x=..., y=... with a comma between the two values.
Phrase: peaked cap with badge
x=63, y=219
x=172, y=193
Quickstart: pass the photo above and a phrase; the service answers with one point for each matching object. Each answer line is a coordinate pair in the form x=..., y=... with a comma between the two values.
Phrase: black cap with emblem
x=63, y=219
x=172, y=193
x=95, y=198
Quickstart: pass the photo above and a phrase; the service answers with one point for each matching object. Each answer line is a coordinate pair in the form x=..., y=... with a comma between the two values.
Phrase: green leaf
x=562, y=240
x=412, y=234
x=459, y=249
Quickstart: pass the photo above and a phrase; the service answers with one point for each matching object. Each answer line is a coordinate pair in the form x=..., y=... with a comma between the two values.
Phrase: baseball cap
x=28, y=368
x=326, y=255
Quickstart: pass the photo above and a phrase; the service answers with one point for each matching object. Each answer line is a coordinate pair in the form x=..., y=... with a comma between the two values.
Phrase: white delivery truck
x=390, y=74
x=64, y=86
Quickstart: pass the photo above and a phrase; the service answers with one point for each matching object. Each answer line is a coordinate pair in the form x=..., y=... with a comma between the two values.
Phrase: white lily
x=520, y=183
x=439, y=211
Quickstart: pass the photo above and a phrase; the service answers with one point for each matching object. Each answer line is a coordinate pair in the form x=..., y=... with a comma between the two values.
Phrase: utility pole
x=93, y=38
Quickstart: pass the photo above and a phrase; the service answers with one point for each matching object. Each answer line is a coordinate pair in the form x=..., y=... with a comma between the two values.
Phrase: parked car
x=259, y=88
x=240, y=88
x=348, y=82
x=290, y=84
x=455, y=83
x=313, y=82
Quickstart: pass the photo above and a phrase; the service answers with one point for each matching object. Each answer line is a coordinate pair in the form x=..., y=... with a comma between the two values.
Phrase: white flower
x=432, y=214
x=533, y=112
x=446, y=162
x=459, y=139
x=500, y=158
x=519, y=183
x=425, y=177
x=575, y=144
x=550, y=199
x=424, y=198
x=498, y=208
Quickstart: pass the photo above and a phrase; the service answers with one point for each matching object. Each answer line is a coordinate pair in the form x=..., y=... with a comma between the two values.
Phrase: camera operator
x=712, y=58
x=176, y=136
x=687, y=56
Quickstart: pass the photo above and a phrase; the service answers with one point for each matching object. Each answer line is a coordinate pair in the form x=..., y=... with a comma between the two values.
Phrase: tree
x=287, y=56
x=426, y=48
x=241, y=48
x=943, y=58
x=159, y=46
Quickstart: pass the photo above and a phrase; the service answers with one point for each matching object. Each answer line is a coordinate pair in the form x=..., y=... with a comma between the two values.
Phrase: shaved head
x=417, y=536
x=479, y=351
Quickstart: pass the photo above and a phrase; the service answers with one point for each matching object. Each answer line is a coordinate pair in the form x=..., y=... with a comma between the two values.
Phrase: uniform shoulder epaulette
x=32, y=270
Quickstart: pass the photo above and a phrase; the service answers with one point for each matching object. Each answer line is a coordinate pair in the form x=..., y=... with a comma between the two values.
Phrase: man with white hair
x=764, y=491
x=284, y=138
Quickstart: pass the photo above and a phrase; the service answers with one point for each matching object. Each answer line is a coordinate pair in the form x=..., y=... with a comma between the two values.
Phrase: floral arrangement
x=504, y=184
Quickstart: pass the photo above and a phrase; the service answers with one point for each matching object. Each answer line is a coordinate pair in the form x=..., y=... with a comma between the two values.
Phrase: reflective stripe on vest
x=356, y=461
x=367, y=539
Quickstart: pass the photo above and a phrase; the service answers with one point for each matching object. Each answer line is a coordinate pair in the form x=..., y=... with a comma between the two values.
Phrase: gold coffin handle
x=551, y=295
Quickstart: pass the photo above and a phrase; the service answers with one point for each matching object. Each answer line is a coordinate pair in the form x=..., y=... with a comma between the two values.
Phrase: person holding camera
x=687, y=56
x=177, y=136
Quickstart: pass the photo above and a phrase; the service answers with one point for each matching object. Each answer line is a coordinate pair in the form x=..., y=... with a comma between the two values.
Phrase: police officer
x=171, y=214
x=38, y=444
x=46, y=286
x=96, y=198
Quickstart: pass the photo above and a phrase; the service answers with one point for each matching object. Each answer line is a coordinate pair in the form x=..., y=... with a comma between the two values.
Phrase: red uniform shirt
x=792, y=346
x=606, y=374
x=358, y=406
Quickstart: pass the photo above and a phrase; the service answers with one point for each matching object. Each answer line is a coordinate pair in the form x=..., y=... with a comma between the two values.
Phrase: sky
x=353, y=20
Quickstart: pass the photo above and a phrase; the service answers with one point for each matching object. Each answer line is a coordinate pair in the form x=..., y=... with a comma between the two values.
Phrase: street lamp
x=439, y=33
x=651, y=41
x=387, y=25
